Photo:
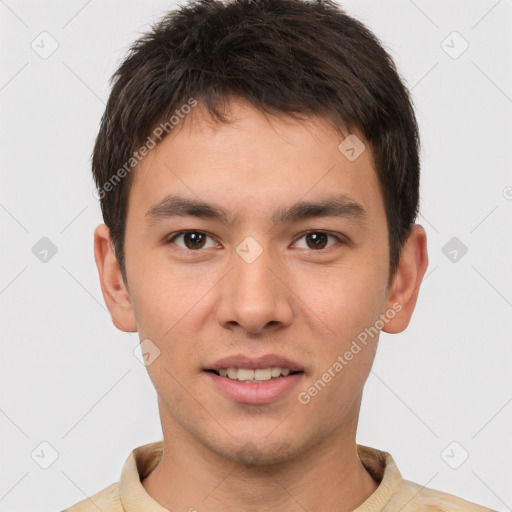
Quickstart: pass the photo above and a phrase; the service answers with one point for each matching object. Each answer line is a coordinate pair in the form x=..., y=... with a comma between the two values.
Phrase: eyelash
x=172, y=237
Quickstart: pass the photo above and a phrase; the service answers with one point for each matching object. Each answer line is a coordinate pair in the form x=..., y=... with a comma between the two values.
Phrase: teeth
x=275, y=371
x=245, y=374
x=260, y=374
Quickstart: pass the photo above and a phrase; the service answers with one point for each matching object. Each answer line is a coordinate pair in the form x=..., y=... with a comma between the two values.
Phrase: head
x=247, y=108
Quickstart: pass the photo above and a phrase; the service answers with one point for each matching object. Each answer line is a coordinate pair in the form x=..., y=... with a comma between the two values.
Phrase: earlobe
x=406, y=283
x=114, y=291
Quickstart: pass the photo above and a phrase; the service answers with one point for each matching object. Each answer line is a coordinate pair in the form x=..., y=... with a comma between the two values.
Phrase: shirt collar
x=138, y=465
x=144, y=459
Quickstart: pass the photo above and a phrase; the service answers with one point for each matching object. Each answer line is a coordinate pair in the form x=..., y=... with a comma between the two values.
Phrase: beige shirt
x=392, y=495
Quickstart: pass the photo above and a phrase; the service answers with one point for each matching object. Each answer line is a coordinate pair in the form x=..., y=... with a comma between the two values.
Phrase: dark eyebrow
x=333, y=206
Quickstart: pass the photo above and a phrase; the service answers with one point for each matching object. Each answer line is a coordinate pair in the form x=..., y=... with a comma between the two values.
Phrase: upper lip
x=264, y=361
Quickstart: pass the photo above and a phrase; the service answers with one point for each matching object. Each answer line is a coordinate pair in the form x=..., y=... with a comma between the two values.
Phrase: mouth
x=254, y=375
x=254, y=386
x=254, y=380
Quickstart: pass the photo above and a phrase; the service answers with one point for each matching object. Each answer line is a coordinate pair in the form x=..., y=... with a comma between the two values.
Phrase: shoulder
x=106, y=500
x=412, y=497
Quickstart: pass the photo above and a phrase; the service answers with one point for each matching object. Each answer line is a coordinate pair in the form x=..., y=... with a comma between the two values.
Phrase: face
x=262, y=285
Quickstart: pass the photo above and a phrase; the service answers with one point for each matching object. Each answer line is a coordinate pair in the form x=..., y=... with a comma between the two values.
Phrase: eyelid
x=338, y=236
x=170, y=238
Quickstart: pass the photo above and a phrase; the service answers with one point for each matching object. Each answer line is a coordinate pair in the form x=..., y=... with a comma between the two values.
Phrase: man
x=258, y=171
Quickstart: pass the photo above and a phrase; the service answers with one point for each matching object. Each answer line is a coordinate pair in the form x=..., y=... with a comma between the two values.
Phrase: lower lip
x=261, y=392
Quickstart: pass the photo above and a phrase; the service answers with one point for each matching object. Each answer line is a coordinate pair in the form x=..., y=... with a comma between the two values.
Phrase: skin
x=295, y=300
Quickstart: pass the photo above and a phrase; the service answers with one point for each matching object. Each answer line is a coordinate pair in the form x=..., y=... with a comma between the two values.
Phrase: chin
x=261, y=452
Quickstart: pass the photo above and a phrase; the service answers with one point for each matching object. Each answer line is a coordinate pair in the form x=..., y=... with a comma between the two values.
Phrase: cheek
x=345, y=349
x=342, y=300
x=163, y=296
x=170, y=310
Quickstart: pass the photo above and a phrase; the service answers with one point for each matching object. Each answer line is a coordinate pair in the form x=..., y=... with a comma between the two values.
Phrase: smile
x=254, y=375
x=255, y=387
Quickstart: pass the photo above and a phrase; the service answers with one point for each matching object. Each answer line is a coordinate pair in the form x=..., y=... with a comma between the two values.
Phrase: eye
x=193, y=240
x=317, y=240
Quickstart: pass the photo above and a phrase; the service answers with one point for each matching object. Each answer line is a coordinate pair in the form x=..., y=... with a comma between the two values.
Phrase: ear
x=113, y=287
x=407, y=280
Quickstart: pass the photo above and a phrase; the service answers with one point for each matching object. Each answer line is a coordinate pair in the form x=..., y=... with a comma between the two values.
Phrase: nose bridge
x=253, y=295
x=252, y=268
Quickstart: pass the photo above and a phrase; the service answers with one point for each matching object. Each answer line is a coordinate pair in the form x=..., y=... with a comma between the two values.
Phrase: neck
x=327, y=477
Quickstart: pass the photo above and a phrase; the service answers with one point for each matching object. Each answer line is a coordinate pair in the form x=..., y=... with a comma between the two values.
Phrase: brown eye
x=317, y=240
x=192, y=240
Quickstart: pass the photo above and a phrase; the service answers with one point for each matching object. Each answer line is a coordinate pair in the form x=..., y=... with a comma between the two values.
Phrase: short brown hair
x=282, y=56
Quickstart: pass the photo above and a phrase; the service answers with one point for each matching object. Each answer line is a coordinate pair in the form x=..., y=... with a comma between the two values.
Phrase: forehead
x=256, y=161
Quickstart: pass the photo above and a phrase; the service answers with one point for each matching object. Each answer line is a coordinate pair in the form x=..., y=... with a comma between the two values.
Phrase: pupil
x=195, y=238
x=317, y=242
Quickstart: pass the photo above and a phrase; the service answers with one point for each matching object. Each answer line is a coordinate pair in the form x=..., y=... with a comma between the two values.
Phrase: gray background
x=70, y=379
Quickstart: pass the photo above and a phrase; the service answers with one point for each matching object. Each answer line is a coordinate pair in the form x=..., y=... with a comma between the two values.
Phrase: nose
x=254, y=296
